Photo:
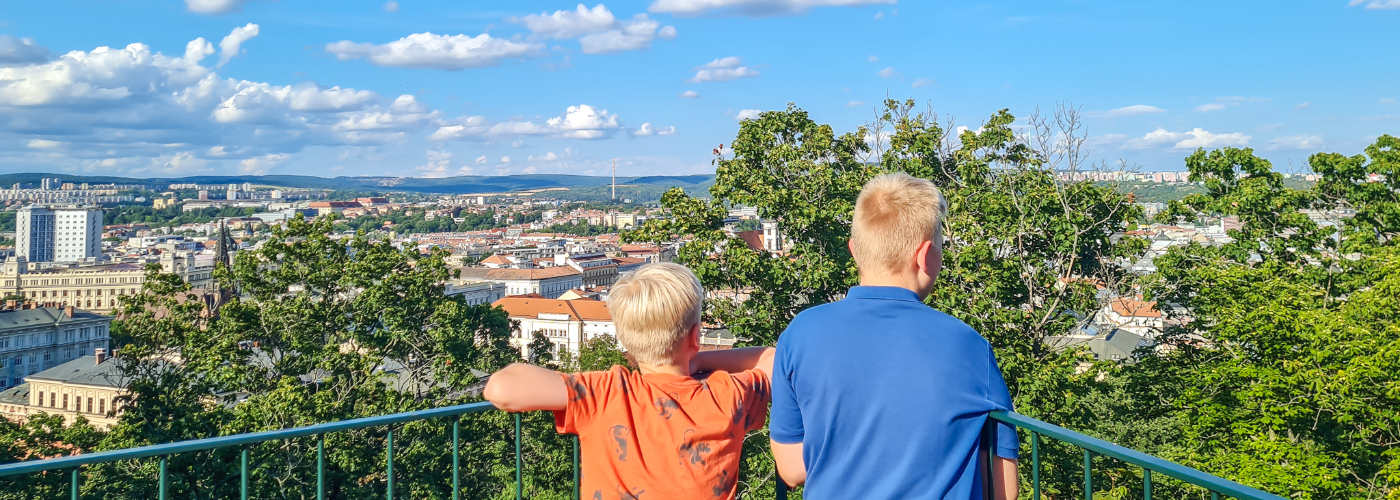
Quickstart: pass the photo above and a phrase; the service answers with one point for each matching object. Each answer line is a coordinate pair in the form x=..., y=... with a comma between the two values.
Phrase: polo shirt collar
x=882, y=292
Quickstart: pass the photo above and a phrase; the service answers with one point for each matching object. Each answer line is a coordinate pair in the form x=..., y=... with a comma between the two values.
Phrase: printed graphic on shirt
x=725, y=483
x=619, y=435
x=667, y=405
x=578, y=391
x=691, y=451
x=624, y=494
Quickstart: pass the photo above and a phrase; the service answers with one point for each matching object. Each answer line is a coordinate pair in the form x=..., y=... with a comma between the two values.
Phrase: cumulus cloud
x=1206, y=108
x=746, y=114
x=429, y=50
x=1387, y=100
x=1192, y=139
x=259, y=165
x=1300, y=141
x=1303, y=104
x=755, y=8
x=598, y=30
x=922, y=82
x=229, y=46
x=578, y=122
x=722, y=70
x=1376, y=4
x=214, y=7
x=689, y=94
x=852, y=104
x=647, y=130
x=1134, y=110
x=439, y=161
x=15, y=51
x=135, y=110
x=391, y=6
x=889, y=73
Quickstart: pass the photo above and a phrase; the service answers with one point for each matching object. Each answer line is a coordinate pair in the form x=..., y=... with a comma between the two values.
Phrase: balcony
x=53, y=477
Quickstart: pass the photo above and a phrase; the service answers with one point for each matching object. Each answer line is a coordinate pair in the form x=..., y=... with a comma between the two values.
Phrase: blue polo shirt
x=888, y=397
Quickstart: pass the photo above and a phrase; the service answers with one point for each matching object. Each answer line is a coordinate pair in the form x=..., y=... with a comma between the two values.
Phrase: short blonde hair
x=654, y=309
x=894, y=214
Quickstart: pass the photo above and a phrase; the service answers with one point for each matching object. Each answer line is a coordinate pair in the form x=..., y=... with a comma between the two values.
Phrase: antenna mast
x=614, y=179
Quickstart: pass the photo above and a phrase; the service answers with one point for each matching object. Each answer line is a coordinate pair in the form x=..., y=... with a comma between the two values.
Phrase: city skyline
x=427, y=89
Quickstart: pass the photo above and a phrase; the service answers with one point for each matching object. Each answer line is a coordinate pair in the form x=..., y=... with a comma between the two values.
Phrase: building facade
x=566, y=323
x=87, y=386
x=550, y=282
x=476, y=291
x=33, y=339
x=58, y=234
x=96, y=287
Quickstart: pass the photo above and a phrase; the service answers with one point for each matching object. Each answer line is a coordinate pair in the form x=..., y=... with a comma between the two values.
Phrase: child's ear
x=695, y=336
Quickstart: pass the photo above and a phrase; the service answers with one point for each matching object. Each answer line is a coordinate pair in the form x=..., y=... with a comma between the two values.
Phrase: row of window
x=69, y=335
x=77, y=281
x=79, y=293
x=77, y=403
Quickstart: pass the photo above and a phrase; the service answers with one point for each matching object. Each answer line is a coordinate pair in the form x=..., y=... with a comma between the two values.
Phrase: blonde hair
x=654, y=309
x=895, y=213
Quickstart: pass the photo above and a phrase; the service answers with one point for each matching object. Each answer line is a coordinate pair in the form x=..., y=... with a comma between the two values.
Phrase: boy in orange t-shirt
x=674, y=428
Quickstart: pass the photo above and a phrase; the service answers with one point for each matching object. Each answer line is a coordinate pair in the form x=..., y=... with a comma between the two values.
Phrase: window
x=53, y=400
x=40, y=399
x=102, y=406
x=89, y=405
x=65, y=402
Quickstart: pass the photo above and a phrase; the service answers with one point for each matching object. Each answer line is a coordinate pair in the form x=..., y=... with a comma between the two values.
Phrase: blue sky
x=438, y=88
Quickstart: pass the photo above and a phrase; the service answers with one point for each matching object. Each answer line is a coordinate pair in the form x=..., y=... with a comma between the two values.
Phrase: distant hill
x=466, y=184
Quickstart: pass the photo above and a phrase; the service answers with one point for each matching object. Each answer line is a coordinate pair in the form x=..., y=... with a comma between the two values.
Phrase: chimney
x=10, y=304
x=68, y=311
x=100, y=354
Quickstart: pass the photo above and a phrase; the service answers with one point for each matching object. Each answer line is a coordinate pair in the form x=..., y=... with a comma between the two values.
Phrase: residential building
x=86, y=386
x=331, y=207
x=58, y=234
x=566, y=323
x=476, y=291
x=598, y=269
x=772, y=238
x=1133, y=315
x=550, y=282
x=97, y=287
x=33, y=338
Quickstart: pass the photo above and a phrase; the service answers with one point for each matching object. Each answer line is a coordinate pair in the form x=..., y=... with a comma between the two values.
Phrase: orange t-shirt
x=660, y=436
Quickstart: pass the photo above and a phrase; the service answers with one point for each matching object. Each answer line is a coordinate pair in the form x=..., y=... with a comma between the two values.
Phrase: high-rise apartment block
x=58, y=234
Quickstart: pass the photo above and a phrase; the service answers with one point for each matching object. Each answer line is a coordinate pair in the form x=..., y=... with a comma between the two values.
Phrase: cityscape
x=258, y=249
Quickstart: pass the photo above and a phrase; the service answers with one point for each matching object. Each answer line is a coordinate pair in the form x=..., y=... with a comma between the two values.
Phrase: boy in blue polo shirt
x=879, y=395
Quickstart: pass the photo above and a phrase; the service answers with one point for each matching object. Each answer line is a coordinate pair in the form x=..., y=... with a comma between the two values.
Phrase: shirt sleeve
x=785, y=421
x=588, y=396
x=1008, y=443
x=753, y=388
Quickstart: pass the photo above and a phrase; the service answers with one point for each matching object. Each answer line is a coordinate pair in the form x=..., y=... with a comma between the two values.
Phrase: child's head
x=655, y=310
x=896, y=215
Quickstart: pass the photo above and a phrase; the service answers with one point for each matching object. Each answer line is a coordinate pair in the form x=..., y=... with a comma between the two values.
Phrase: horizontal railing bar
x=237, y=439
x=1099, y=446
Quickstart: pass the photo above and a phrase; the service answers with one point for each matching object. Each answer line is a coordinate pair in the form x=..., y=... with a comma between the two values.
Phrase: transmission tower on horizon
x=614, y=180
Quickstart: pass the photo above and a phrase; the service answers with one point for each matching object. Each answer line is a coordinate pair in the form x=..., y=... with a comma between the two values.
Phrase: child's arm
x=522, y=387
x=736, y=360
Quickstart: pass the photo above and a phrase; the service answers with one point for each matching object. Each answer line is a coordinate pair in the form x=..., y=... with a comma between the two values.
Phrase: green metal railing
x=1215, y=485
x=165, y=451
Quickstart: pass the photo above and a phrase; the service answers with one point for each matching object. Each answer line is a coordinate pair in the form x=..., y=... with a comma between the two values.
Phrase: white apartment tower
x=58, y=234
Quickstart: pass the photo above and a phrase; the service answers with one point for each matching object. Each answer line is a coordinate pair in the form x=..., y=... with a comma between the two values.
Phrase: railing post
x=321, y=467
x=162, y=478
x=390, y=470
x=1035, y=465
x=456, y=457
x=75, y=483
x=1088, y=475
x=578, y=486
x=1146, y=483
x=243, y=474
x=519, y=487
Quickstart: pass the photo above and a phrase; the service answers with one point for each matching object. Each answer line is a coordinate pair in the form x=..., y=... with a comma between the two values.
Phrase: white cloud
x=1225, y=102
x=636, y=34
x=391, y=6
x=567, y=24
x=872, y=58
x=690, y=94
x=1134, y=110
x=428, y=50
x=438, y=165
x=1300, y=141
x=214, y=6
x=15, y=50
x=261, y=164
x=578, y=122
x=481, y=160
x=852, y=104
x=1388, y=100
x=1376, y=4
x=43, y=144
x=746, y=114
x=647, y=130
x=923, y=82
x=228, y=47
x=505, y=159
x=722, y=70
x=879, y=15
x=751, y=7
x=1303, y=104
x=134, y=110
x=1195, y=138
x=598, y=31
x=889, y=73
